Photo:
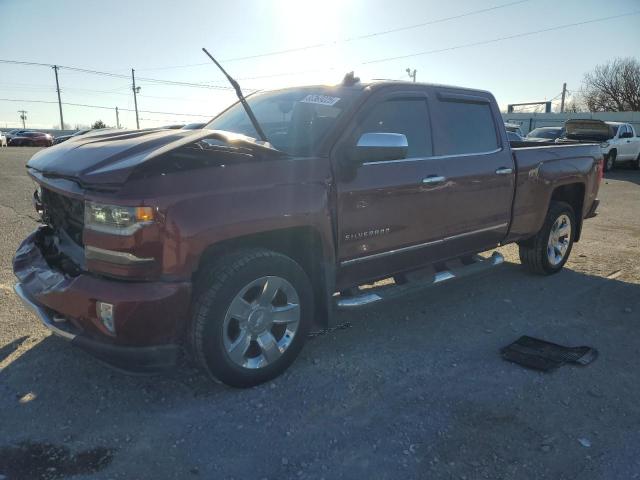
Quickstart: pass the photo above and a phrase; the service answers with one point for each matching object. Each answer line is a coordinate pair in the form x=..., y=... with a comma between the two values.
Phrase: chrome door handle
x=433, y=179
x=504, y=171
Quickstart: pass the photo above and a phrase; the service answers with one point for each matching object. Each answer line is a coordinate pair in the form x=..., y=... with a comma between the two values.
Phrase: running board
x=420, y=279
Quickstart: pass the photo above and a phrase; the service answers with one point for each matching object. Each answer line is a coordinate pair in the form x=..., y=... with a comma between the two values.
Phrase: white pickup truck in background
x=619, y=141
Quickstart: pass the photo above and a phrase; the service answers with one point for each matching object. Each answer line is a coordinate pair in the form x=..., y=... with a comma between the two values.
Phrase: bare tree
x=613, y=87
x=574, y=106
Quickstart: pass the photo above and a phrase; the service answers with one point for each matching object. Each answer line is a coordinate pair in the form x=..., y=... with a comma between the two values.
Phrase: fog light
x=105, y=314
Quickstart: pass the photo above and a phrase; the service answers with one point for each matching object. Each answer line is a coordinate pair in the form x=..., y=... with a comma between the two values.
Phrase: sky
x=278, y=43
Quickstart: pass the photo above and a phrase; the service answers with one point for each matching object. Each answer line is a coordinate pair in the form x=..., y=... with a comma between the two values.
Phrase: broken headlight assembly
x=116, y=219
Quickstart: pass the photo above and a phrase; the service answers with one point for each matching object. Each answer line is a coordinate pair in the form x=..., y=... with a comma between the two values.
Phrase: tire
x=610, y=161
x=636, y=164
x=537, y=252
x=240, y=350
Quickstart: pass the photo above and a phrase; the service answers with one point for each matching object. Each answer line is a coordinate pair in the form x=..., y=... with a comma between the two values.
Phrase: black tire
x=636, y=164
x=533, y=252
x=216, y=288
x=610, y=161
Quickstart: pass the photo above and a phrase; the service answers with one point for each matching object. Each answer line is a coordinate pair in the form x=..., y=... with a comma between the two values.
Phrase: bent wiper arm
x=247, y=108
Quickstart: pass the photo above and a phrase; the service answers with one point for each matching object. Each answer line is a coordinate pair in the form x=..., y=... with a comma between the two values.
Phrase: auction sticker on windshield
x=320, y=99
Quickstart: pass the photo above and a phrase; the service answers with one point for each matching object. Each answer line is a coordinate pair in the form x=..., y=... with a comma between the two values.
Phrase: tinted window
x=465, y=128
x=406, y=116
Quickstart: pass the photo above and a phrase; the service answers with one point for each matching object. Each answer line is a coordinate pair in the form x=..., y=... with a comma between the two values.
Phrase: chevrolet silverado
x=230, y=248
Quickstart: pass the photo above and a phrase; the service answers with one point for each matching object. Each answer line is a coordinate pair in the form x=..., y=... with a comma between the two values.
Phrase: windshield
x=295, y=120
x=551, y=133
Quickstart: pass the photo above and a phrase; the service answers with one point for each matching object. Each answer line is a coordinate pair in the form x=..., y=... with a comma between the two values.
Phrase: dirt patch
x=33, y=460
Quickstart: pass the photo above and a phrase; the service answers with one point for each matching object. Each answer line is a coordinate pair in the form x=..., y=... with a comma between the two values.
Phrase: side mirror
x=377, y=147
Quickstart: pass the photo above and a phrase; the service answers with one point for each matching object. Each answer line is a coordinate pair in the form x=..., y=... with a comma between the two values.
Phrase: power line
x=158, y=81
x=499, y=39
x=348, y=39
x=103, y=107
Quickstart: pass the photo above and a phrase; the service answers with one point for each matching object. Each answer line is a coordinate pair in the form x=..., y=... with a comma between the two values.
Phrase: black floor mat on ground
x=546, y=356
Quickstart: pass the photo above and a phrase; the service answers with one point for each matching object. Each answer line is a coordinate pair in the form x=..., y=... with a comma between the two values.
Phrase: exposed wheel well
x=573, y=194
x=302, y=244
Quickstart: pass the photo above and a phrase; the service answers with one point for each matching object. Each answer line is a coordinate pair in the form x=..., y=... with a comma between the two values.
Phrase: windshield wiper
x=247, y=108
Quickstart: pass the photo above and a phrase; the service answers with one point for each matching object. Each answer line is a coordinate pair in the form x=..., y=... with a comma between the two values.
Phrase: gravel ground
x=415, y=388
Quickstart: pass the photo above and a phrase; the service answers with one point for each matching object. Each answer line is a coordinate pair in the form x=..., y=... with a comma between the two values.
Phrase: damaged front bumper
x=149, y=316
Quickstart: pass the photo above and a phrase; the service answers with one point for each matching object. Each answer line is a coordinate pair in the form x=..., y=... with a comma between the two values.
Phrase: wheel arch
x=302, y=244
x=573, y=194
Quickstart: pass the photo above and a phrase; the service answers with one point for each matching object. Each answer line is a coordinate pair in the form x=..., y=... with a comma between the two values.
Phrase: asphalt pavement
x=415, y=388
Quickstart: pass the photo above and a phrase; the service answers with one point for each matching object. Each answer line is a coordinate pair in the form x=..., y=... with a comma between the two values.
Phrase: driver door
x=391, y=213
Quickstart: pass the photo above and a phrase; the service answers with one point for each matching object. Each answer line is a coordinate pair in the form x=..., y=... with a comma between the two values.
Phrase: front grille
x=64, y=213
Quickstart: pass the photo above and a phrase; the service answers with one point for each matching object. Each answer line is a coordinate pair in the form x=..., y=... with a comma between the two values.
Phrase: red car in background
x=31, y=139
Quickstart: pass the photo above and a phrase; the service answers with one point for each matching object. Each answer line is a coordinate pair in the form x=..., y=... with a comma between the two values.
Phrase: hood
x=108, y=158
x=585, y=129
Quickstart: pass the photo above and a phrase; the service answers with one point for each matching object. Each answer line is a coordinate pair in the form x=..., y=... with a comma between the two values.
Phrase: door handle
x=433, y=179
x=504, y=171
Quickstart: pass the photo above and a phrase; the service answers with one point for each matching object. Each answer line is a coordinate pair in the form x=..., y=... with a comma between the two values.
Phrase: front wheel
x=548, y=251
x=610, y=161
x=251, y=316
x=636, y=164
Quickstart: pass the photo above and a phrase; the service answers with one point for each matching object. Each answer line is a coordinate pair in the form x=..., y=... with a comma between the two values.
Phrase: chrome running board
x=418, y=280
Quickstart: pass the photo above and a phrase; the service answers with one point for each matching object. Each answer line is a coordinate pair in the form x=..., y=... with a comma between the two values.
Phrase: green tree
x=99, y=124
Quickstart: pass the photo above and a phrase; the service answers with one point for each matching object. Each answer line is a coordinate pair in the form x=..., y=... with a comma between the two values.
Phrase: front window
x=295, y=120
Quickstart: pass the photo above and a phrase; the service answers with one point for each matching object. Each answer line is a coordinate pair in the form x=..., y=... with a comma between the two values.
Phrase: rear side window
x=406, y=116
x=465, y=128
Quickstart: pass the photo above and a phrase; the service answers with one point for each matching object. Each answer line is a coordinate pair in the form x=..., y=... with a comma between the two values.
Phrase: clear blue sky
x=150, y=36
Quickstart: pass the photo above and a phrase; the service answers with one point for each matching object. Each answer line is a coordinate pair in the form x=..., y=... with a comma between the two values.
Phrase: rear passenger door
x=481, y=169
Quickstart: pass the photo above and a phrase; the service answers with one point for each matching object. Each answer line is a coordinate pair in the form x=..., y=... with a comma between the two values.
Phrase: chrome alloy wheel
x=261, y=322
x=559, y=240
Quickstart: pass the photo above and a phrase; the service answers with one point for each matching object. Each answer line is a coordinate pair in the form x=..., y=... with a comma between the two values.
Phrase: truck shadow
x=624, y=173
x=60, y=394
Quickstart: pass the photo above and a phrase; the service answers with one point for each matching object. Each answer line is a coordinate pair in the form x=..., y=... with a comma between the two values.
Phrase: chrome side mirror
x=378, y=147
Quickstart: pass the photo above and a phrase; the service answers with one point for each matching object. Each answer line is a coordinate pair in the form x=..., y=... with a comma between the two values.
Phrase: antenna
x=236, y=87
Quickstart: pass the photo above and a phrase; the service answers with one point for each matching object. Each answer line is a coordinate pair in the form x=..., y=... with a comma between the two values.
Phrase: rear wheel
x=549, y=250
x=251, y=317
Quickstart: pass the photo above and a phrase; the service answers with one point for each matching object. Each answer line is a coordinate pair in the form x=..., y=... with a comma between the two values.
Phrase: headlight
x=115, y=219
x=604, y=144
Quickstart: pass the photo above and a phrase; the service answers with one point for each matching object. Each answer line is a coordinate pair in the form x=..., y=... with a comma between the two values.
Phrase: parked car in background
x=235, y=249
x=63, y=138
x=514, y=137
x=545, y=134
x=194, y=126
x=31, y=139
x=14, y=133
x=619, y=141
x=514, y=127
x=3, y=140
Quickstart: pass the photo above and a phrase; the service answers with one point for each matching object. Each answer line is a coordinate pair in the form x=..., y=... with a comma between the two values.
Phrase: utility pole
x=411, y=74
x=23, y=117
x=564, y=93
x=55, y=69
x=135, y=99
x=117, y=118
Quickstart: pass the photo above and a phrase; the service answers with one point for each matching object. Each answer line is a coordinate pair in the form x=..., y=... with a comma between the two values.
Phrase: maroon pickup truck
x=233, y=249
